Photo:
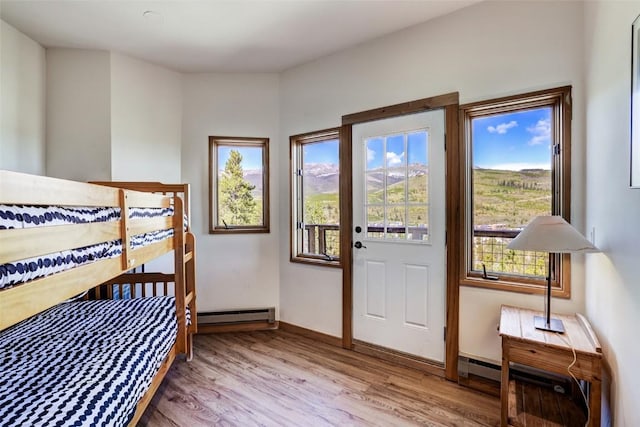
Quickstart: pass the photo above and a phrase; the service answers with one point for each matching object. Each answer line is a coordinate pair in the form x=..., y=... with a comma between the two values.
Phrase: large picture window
x=238, y=185
x=315, y=189
x=518, y=167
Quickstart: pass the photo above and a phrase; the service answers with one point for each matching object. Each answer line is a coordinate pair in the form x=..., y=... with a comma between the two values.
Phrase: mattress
x=83, y=363
x=20, y=216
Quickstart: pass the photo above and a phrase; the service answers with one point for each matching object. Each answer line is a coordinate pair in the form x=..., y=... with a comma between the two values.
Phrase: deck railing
x=322, y=239
x=489, y=247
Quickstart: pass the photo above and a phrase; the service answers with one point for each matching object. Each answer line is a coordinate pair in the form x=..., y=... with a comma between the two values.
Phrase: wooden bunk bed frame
x=97, y=278
x=181, y=191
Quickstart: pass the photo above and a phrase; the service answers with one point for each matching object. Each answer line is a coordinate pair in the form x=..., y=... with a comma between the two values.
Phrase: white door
x=399, y=234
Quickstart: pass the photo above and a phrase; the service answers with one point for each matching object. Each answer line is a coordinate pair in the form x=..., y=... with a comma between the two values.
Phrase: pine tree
x=236, y=204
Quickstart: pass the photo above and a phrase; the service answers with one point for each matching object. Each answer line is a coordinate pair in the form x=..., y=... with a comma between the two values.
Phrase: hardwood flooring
x=276, y=378
x=532, y=405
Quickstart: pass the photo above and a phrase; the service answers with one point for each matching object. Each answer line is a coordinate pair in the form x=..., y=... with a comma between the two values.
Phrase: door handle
x=359, y=245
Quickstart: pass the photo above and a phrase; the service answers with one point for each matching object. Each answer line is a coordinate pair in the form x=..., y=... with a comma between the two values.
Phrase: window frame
x=233, y=141
x=296, y=142
x=559, y=100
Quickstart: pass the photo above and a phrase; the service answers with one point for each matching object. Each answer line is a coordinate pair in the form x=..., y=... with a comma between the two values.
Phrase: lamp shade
x=551, y=234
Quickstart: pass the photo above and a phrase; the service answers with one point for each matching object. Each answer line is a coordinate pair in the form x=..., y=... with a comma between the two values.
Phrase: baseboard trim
x=237, y=327
x=399, y=358
x=311, y=334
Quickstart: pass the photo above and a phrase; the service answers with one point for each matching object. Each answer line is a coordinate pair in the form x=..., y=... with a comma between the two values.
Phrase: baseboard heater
x=469, y=366
x=237, y=316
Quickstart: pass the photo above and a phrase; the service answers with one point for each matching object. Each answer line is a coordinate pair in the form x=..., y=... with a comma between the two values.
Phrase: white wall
x=233, y=271
x=146, y=118
x=22, y=102
x=485, y=51
x=613, y=284
x=146, y=127
x=112, y=117
x=78, y=114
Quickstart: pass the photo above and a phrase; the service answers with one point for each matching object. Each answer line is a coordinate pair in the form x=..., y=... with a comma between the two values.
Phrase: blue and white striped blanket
x=20, y=216
x=83, y=363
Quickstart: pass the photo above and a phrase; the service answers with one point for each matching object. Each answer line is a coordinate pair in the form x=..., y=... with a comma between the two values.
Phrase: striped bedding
x=83, y=363
x=19, y=216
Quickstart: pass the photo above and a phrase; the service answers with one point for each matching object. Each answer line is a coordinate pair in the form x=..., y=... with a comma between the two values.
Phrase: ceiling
x=219, y=35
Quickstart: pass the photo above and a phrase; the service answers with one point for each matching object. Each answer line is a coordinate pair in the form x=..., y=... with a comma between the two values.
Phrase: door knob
x=359, y=245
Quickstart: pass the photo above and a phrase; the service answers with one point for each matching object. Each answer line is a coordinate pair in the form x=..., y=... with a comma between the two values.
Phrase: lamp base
x=555, y=325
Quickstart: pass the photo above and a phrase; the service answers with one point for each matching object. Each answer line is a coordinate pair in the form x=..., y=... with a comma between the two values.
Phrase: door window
x=397, y=186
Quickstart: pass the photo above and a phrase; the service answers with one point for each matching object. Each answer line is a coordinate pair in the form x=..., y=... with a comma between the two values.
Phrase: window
x=238, y=185
x=396, y=185
x=518, y=167
x=315, y=188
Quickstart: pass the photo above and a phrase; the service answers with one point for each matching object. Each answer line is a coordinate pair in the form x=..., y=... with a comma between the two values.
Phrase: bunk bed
x=70, y=353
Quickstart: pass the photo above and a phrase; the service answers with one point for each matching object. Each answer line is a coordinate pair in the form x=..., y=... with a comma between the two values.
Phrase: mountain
x=509, y=199
x=254, y=176
x=323, y=178
x=320, y=178
x=375, y=178
x=504, y=197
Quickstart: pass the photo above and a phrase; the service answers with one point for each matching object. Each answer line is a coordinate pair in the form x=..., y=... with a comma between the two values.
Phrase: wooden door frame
x=453, y=190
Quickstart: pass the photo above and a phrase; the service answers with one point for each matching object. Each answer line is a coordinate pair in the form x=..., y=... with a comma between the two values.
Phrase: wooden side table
x=523, y=344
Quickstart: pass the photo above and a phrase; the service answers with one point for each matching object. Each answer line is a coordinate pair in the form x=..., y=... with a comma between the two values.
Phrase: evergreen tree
x=236, y=203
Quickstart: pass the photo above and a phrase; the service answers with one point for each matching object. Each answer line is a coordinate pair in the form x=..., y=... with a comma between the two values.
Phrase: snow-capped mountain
x=324, y=177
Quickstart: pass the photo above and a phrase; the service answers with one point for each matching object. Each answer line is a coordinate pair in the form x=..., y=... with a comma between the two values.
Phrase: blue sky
x=251, y=156
x=327, y=152
x=513, y=141
x=322, y=152
x=417, y=148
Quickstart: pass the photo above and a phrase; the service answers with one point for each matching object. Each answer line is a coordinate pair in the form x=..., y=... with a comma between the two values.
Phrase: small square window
x=239, y=185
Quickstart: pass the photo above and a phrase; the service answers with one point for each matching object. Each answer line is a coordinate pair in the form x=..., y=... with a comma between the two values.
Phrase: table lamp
x=550, y=234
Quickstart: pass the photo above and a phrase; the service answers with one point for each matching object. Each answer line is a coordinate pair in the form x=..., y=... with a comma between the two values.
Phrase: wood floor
x=275, y=378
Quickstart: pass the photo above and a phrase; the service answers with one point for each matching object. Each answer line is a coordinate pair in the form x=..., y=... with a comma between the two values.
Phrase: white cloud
x=371, y=154
x=394, y=159
x=502, y=128
x=541, y=132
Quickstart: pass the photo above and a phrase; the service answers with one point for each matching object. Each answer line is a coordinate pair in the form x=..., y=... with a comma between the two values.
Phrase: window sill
x=321, y=262
x=243, y=230
x=512, y=286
